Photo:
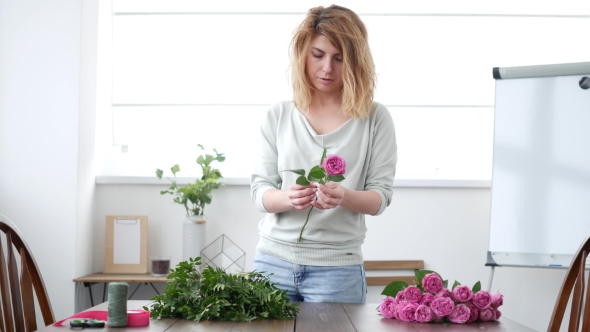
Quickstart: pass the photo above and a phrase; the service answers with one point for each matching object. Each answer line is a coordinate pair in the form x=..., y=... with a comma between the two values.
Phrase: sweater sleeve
x=266, y=175
x=382, y=163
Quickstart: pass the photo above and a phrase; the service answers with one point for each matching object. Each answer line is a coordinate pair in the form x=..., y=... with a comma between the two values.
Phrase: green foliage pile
x=216, y=295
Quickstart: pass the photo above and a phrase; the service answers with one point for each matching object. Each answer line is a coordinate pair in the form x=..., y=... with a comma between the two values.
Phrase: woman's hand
x=301, y=196
x=329, y=195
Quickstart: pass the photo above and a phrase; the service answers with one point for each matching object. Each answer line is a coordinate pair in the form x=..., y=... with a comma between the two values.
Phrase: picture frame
x=126, y=244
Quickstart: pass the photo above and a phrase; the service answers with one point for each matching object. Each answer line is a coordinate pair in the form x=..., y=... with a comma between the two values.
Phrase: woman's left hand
x=329, y=195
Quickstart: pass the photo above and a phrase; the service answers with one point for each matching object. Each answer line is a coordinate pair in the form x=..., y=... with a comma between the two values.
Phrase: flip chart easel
x=541, y=169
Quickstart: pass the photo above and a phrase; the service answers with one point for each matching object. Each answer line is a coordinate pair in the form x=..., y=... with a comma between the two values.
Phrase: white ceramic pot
x=193, y=236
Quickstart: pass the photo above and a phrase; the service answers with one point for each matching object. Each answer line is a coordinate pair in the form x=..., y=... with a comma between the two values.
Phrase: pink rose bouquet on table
x=430, y=301
x=331, y=168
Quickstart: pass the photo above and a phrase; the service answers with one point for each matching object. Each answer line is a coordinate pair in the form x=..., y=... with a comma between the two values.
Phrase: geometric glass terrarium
x=225, y=254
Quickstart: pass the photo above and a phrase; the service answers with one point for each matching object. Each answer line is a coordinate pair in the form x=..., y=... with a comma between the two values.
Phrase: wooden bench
x=389, y=266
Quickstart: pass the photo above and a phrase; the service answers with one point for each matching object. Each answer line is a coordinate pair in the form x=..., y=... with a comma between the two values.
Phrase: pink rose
x=427, y=299
x=424, y=314
x=400, y=306
x=412, y=294
x=462, y=293
x=408, y=312
x=474, y=312
x=400, y=296
x=388, y=307
x=498, y=314
x=497, y=300
x=432, y=283
x=442, y=306
x=482, y=299
x=444, y=293
x=487, y=314
x=460, y=314
x=334, y=165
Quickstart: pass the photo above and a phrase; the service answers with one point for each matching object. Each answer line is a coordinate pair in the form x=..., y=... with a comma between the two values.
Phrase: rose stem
x=306, y=220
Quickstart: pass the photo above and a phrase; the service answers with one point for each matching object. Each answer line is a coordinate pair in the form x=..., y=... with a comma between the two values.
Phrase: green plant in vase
x=194, y=197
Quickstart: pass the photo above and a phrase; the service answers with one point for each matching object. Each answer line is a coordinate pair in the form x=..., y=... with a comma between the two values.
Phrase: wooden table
x=312, y=317
x=92, y=279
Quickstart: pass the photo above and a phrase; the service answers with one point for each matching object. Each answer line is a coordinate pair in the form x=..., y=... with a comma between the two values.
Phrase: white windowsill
x=418, y=183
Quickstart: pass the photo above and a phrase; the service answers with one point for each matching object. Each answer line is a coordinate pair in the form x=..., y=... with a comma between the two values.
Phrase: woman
x=333, y=80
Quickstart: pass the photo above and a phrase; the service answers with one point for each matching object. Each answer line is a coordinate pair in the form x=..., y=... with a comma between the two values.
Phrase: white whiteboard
x=541, y=165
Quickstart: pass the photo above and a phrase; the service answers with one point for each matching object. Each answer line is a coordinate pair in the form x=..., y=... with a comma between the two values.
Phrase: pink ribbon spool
x=134, y=317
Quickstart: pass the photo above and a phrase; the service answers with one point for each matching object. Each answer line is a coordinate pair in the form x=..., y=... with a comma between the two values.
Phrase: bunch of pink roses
x=331, y=168
x=431, y=301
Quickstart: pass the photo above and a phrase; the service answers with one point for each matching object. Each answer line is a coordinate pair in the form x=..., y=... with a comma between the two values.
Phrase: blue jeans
x=308, y=283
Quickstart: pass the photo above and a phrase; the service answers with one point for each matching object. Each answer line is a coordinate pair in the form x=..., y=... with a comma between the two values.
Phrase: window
x=179, y=73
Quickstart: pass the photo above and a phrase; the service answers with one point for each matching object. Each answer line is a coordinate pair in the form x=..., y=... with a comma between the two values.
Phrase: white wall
x=86, y=138
x=43, y=127
x=446, y=227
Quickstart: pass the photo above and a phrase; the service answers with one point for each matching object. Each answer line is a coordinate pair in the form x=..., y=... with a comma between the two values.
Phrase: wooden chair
x=392, y=265
x=18, y=305
x=575, y=280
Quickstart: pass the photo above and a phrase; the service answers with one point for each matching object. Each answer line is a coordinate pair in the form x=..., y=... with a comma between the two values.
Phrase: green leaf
x=317, y=174
x=316, y=168
x=175, y=169
x=477, y=287
x=336, y=178
x=394, y=287
x=311, y=178
x=420, y=275
x=455, y=284
x=207, y=199
x=220, y=157
x=208, y=159
x=302, y=181
x=446, y=284
x=296, y=171
x=159, y=173
x=323, y=156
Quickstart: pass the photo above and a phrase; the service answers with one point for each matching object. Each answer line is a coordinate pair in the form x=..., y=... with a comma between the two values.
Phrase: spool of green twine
x=117, y=312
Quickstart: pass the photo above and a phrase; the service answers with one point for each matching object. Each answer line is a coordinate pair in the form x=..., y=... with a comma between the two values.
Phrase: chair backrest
x=381, y=280
x=574, y=279
x=18, y=305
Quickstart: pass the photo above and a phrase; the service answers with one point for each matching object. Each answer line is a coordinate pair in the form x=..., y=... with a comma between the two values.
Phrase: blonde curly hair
x=348, y=33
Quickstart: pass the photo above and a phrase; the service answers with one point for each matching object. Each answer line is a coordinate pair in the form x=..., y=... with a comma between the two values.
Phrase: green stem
x=179, y=195
x=306, y=220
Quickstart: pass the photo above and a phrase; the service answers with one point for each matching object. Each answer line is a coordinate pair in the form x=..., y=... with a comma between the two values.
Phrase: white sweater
x=332, y=237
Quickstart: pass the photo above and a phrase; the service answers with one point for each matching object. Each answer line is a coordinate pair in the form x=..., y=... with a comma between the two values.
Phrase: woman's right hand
x=301, y=196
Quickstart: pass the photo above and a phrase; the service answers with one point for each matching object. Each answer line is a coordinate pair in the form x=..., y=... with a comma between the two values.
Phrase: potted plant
x=194, y=197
